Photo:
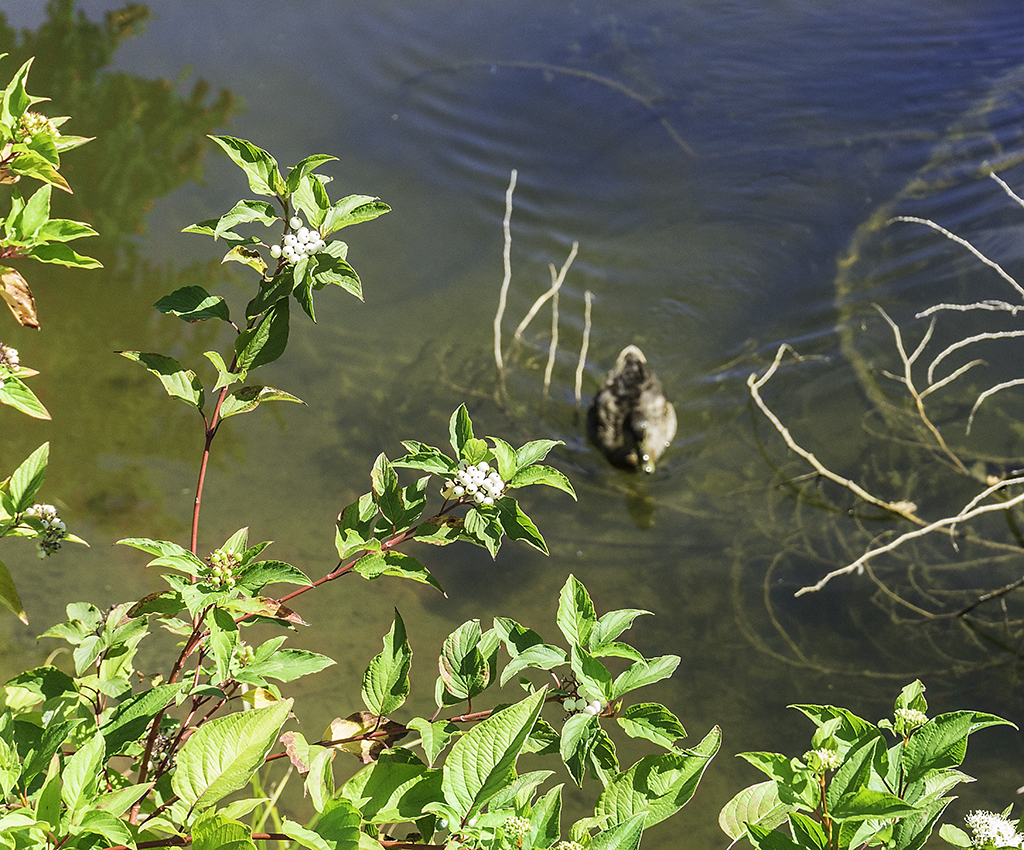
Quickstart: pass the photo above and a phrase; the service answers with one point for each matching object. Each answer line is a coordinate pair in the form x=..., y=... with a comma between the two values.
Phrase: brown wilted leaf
x=386, y=733
x=15, y=291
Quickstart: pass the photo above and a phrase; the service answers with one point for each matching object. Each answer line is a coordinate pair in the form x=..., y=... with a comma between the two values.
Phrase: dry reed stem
x=588, y=297
x=507, y=257
x=556, y=284
x=553, y=347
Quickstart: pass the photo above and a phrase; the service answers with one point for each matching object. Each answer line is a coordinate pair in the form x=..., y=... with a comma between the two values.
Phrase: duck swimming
x=630, y=420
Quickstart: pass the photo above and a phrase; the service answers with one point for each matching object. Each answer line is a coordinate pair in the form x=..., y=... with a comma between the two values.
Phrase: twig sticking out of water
x=507, y=256
x=556, y=284
x=553, y=347
x=588, y=295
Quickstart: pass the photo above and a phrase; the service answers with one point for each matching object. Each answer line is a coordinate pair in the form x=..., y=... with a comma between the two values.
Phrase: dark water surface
x=726, y=168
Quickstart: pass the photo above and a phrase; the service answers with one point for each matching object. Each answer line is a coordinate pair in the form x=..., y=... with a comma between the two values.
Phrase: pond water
x=727, y=169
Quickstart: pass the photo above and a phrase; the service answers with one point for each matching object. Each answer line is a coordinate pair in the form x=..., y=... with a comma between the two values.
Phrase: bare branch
x=556, y=284
x=961, y=241
x=1016, y=382
x=588, y=296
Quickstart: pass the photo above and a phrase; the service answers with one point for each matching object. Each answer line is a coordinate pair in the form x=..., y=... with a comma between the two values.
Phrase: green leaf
x=62, y=255
x=482, y=760
x=609, y=626
x=575, y=618
x=285, y=665
x=759, y=804
x=26, y=480
x=178, y=381
x=517, y=525
x=867, y=804
x=130, y=719
x=534, y=452
x=354, y=531
x=225, y=377
x=259, y=166
x=593, y=676
x=310, y=163
x=311, y=198
x=352, y=210
x=427, y=459
x=267, y=341
x=542, y=475
x=63, y=230
x=14, y=393
x=434, y=737
x=460, y=428
x=658, y=785
x=338, y=825
x=168, y=554
x=387, y=494
x=376, y=564
x=654, y=722
x=222, y=756
x=807, y=832
x=955, y=836
x=9, y=595
x=771, y=839
x=259, y=574
x=217, y=832
x=194, y=304
x=15, y=99
x=544, y=820
x=246, y=399
x=578, y=736
x=81, y=772
x=332, y=270
x=942, y=741
x=48, y=802
x=386, y=680
x=463, y=668
x=245, y=212
x=542, y=657
x=642, y=673
x=623, y=836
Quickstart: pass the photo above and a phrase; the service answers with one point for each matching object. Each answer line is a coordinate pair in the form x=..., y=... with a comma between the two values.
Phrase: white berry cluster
x=476, y=482
x=54, y=530
x=991, y=830
x=222, y=566
x=573, y=704
x=34, y=122
x=8, y=356
x=300, y=242
x=568, y=845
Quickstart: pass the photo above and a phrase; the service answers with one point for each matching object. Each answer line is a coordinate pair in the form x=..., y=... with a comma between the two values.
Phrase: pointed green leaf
x=387, y=493
x=376, y=564
x=245, y=212
x=460, y=429
x=9, y=595
x=246, y=399
x=623, y=836
x=338, y=825
x=642, y=673
x=759, y=804
x=221, y=756
x=658, y=785
x=575, y=618
x=81, y=772
x=534, y=452
x=267, y=341
x=517, y=525
x=26, y=480
x=194, y=304
x=352, y=210
x=434, y=737
x=541, y=474
x=386, y=680
x=482, y=759
x=14, y=393
x=310, y=163
x=259, y=166
x=215, y=831
x=654, y=722
x=942, y=741
x=285, y=665
x=178, y=381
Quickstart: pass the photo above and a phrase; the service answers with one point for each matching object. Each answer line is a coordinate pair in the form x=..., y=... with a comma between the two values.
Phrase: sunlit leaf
x=178, y=381
x=16, y=394
x=259, y=166
x=194, y=304
x=386, y=680
x=222, y=755
x=9, y=595
x=246, y=399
